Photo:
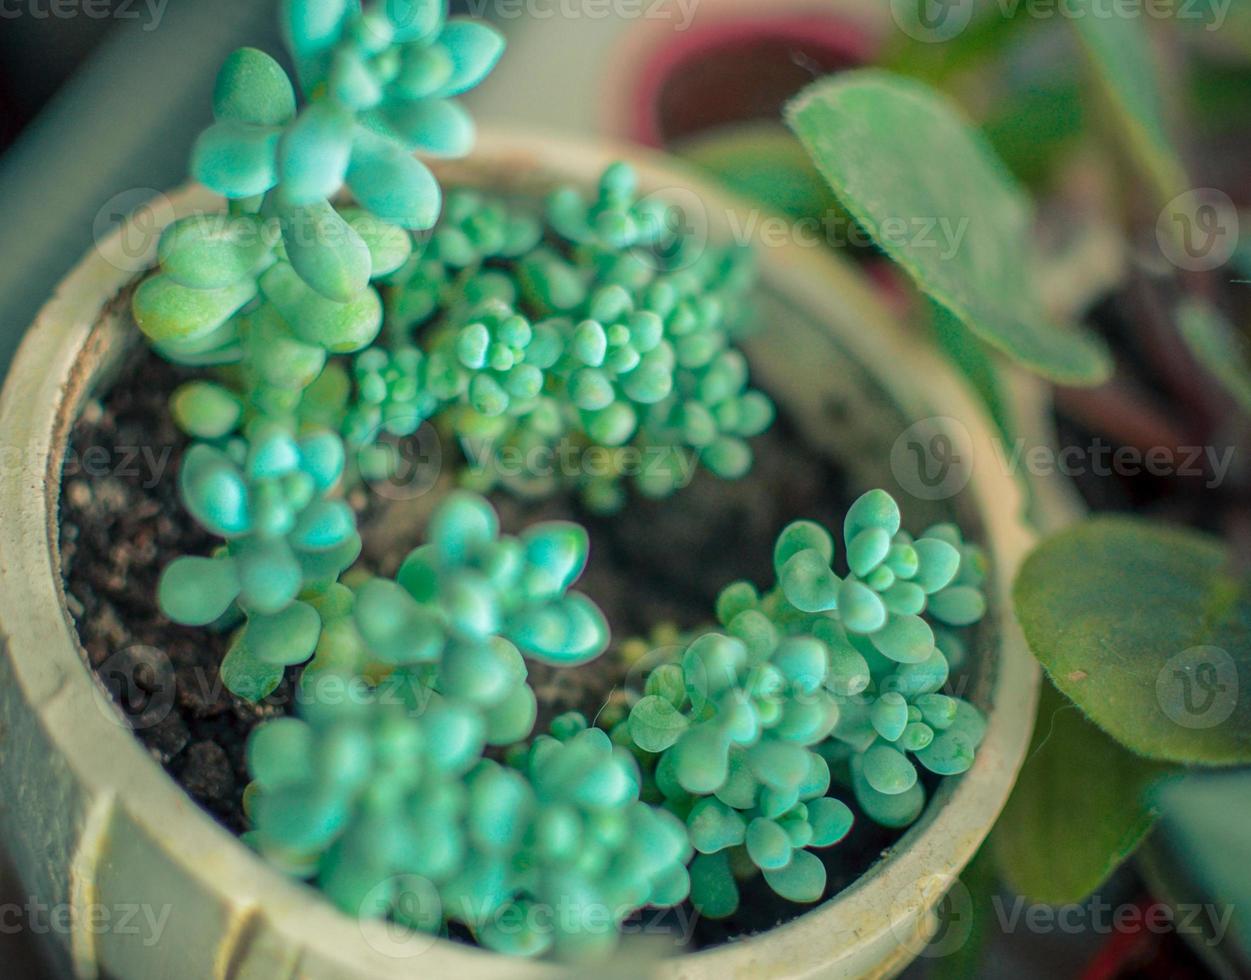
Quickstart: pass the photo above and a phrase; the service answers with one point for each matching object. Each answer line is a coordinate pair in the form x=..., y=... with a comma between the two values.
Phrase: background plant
x=1126, y=615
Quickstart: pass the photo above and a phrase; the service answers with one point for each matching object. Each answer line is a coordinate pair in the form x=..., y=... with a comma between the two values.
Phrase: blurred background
x=101, y=99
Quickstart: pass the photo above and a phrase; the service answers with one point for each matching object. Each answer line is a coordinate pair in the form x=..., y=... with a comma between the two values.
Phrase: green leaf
x=1078, y=808
x=930, y=191
x=1214, y=343
x=1148, y=632
x=977, y=364
x=1212, y=850
x=1119, y=52
x=655, y=724
x=763, y=161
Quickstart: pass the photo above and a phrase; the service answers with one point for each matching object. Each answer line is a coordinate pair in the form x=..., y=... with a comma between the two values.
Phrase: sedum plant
x=743, y=727
x=583, y=322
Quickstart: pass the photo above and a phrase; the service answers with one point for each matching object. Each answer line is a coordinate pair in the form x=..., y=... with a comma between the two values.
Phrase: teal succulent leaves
x=376, y=794
x=743, y=728
x=380, y=83
x=619, y=340
x=592, y=320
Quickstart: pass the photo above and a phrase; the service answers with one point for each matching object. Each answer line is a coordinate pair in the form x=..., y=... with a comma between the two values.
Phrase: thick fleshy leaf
x=808, y=582
x=236, y=160
x=438, y=127
x=396, y=627
x=905, y=639
x=475, y=48
x=393, y=184
x=1079, y=795
x=213, y=490
x=338, y=327
x=863, y=129
x=253, y=88
x=558, y=551
x=568, y=632
x=205, y=410
x=276, y=355
x=313, y=153
x=311, y=28
x=389, y=246
x=889, y=810
x=713, y=826
x=655, y=724
x=287, y=637
x=415, y=19
x=254, y=680
x=830, y=819
x=197, y=591
x=326, y=251
x=802, y=880
x=1148, y=630
x=168, y=312
x=270, y=576
x=211, y=251
x=713, y=889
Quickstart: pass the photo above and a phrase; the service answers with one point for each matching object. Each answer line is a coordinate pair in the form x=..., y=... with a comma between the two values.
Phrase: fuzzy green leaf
x=901, y=159
x=1148, y=632
x=1080, y=795
x=1119, y=52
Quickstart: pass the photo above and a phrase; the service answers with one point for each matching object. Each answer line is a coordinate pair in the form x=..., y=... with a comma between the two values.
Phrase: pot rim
x=887, y=906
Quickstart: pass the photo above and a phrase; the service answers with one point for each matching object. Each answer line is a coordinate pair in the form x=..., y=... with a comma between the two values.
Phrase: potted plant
x=1141, y=624
x=386, y=715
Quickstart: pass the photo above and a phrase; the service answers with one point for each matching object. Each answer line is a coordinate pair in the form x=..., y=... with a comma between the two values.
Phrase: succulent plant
x=597, y=322
x=387, y=804
x=269, y=497
x=380, y=83
x=621, y=333
x=743, y=727
x=734, y=722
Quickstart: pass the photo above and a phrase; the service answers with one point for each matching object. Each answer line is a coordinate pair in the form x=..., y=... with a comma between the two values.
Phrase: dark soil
x=656, y=562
